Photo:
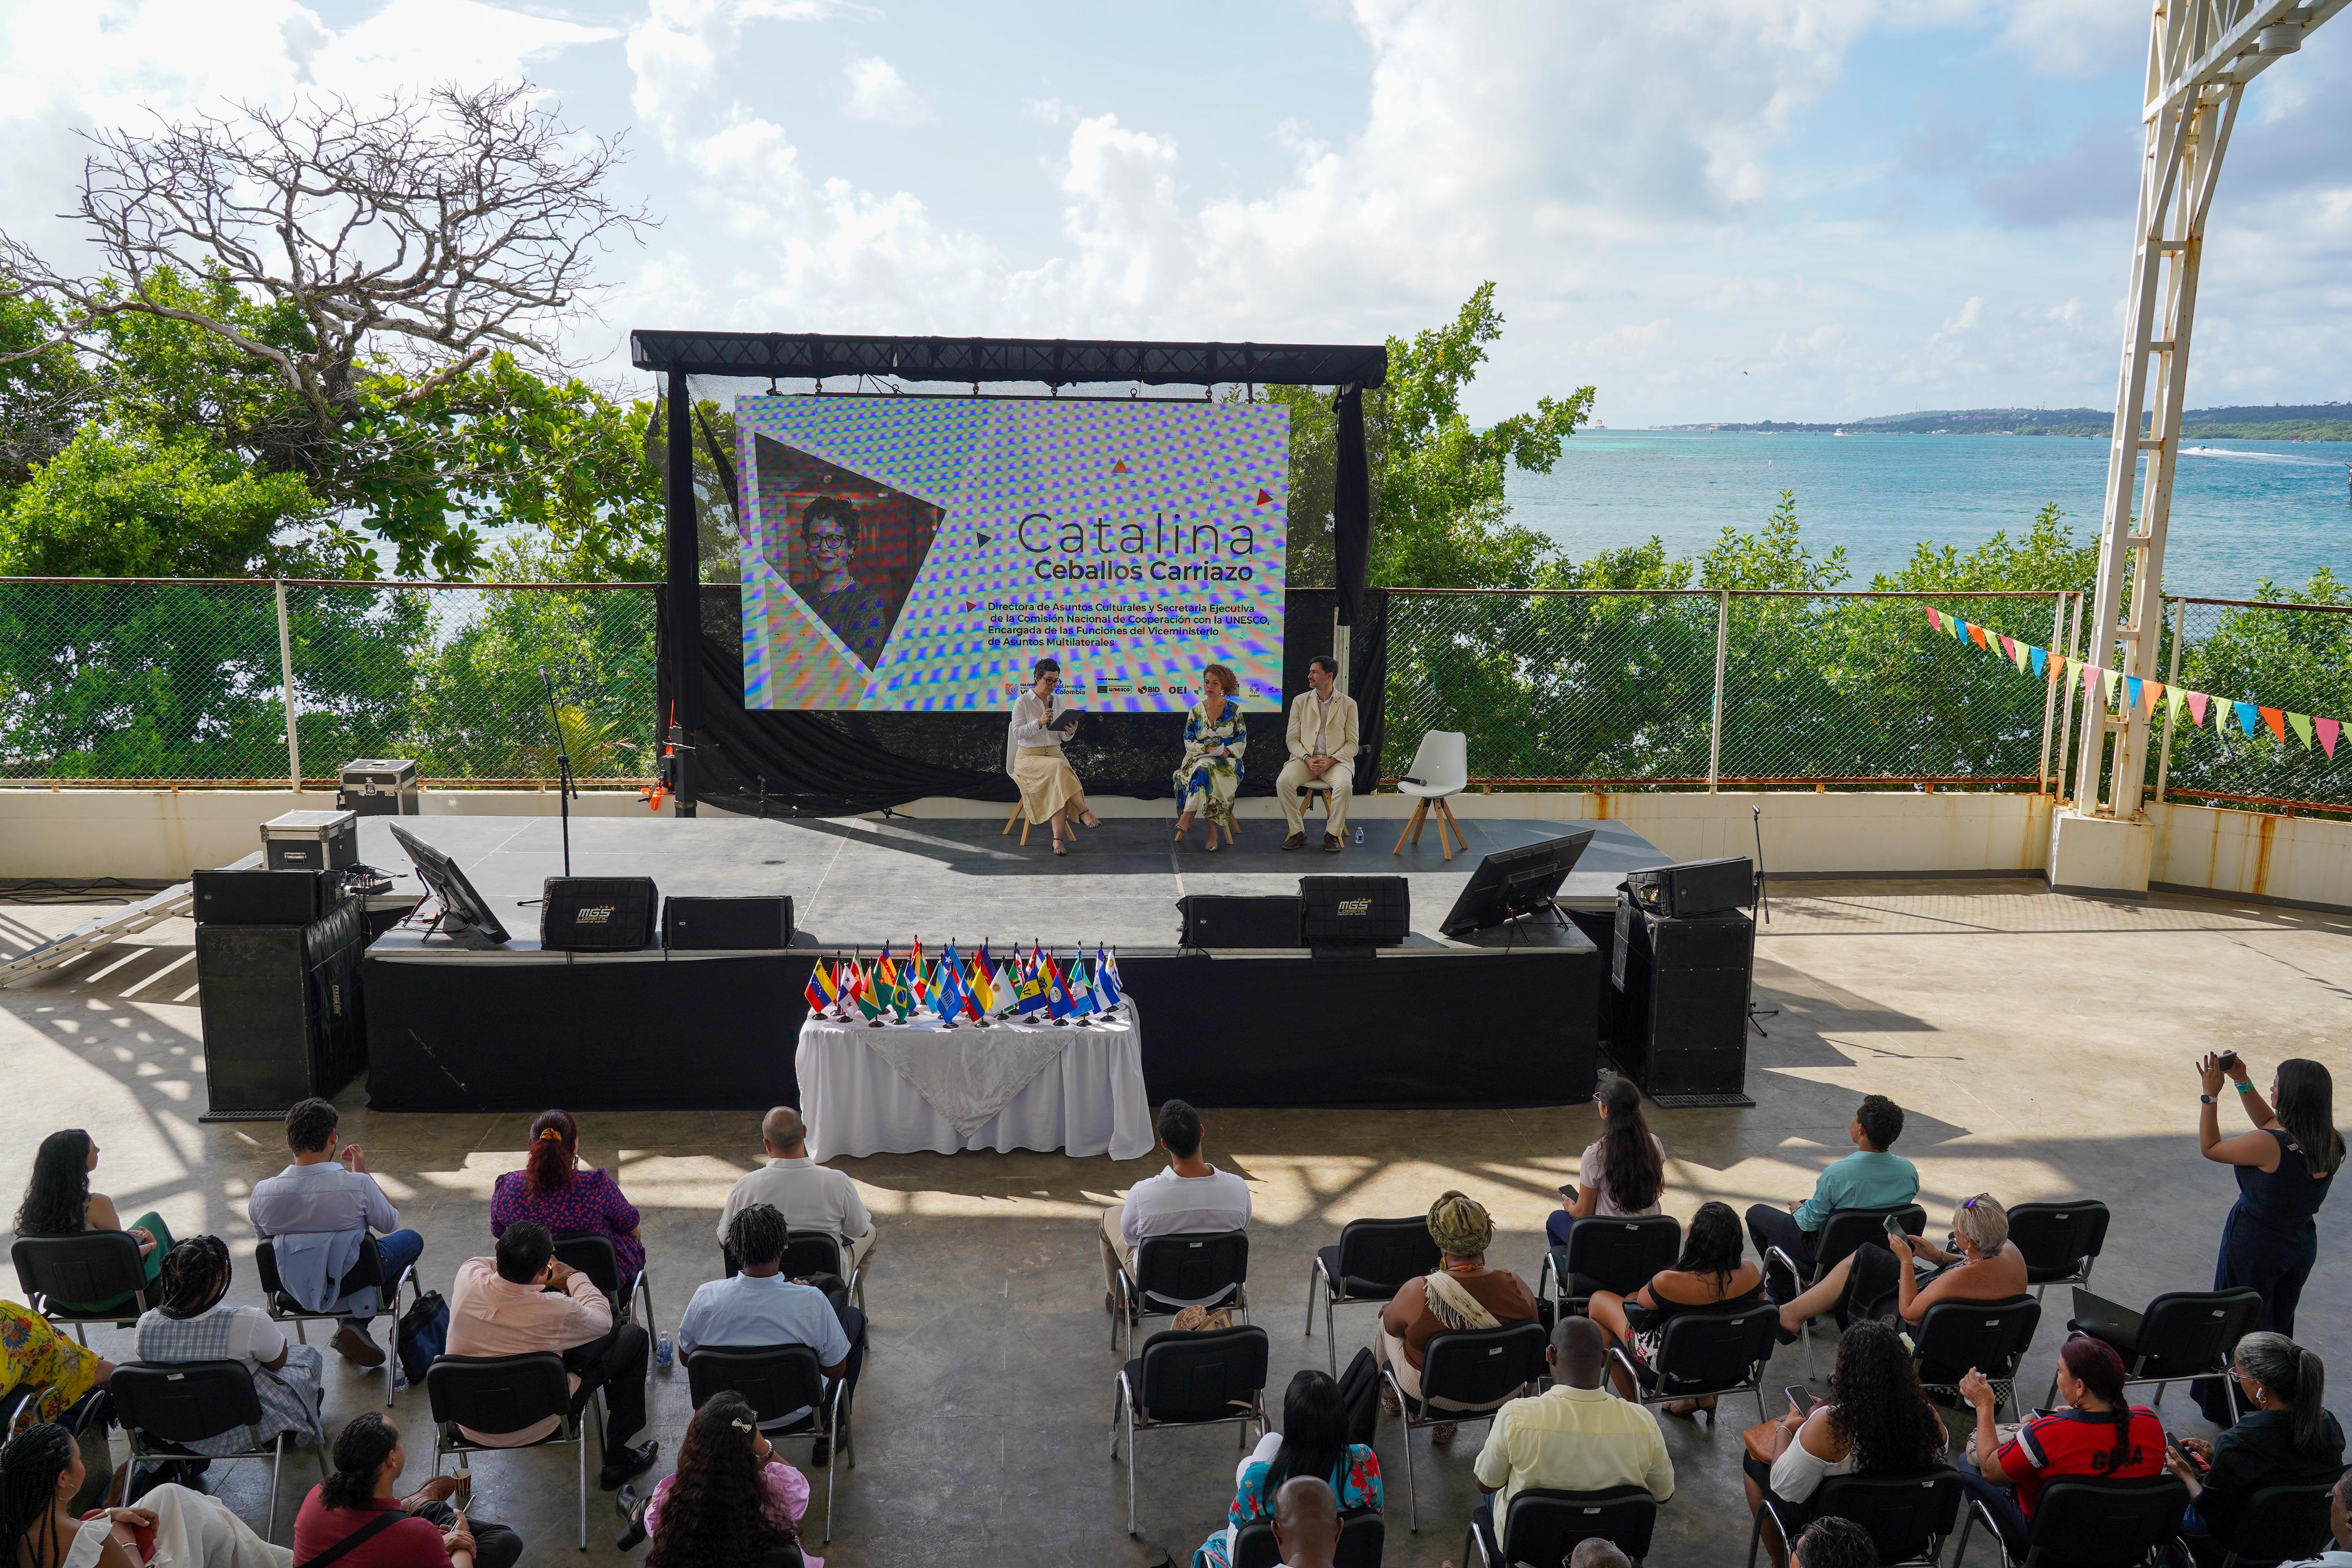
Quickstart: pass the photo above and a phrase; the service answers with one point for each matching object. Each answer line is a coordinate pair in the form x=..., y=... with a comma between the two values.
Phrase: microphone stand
x=1757, y=1015
x=564, y=789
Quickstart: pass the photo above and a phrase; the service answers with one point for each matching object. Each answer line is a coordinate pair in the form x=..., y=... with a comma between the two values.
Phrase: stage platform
x=863, y=882
x=1432, y=1023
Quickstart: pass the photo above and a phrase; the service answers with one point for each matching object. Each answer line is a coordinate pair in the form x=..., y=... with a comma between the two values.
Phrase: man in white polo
x=1322, y=736
x=1190, y=1195
x=806, y=1194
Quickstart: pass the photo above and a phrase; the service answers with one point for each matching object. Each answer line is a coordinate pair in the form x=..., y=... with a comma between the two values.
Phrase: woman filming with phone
x=2285, y=1168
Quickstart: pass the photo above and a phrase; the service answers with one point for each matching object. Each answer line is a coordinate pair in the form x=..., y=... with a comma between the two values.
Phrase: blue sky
x=1732, y=209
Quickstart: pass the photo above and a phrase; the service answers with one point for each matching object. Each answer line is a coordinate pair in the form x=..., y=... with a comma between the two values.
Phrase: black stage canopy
x=734, y=747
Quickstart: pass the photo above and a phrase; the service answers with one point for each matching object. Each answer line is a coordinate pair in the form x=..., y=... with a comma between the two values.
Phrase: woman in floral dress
x=1211, y=769
x=1313, y=1442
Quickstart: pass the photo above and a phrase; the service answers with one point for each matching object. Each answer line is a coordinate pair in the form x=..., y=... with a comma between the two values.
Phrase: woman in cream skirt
x=1050, y=792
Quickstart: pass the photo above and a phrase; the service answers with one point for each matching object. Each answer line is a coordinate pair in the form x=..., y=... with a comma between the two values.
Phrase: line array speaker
x=1682, y=987
x=281, y=1010
x=1226, y=920
x=726, y=924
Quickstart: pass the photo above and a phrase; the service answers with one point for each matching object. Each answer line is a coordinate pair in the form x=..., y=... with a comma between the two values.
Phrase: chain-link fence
x=2294, y=658
x=147, y=681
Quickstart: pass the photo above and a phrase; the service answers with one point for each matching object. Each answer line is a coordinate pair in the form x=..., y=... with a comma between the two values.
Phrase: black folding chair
x=1846, y=1230
x=1909, y=1517
x=1190, y=1380
x=1543, y=1528
x=2060, y=1240
x=506, y=1394
x=812, y=1252
x=1991, y=1336
x=95, y=1265
x=595, y=1256
x=180, y=1404
x=2280, y=1523
x=2095, y=1524
x=1373, y=1261
x=1461, y=1370
x=1616, y=1255
x=282, y=1306
x=776, y=1380
x=1362, y=1535
x=1209, y=1267
x=1705, y=1355
x=2181, y=1335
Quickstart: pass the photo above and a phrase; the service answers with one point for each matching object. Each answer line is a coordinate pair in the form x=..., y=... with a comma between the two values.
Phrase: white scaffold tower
x=2200, y=56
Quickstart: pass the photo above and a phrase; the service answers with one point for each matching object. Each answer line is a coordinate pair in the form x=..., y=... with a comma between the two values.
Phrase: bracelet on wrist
x=2247, y=1087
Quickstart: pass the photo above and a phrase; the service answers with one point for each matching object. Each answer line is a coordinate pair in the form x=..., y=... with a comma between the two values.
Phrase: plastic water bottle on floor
x=1360, y=835
x=662, y=1352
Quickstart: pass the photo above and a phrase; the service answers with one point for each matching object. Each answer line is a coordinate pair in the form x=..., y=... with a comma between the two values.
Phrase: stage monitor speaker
x=264, y=897
x=726, y=924
x=598, y=913
x=282, y=1011
x=1354, y=912
x=1683, y=990
x=1695, y=887
x=1225, y=920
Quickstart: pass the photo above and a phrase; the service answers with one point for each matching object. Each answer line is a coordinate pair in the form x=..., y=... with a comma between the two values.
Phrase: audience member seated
x=1624, y=1172
x=1190, y=1195
x=731, y=1500
x=553, y=1191
x=1313, y=1442
x=1870, y=1178
x=1882, y=1424
x=1835, y=1544
x=1883, y=1283
x=41, y=1470
x=195, y=1325
x=2339, y=1523
x=34, y=1355
x=1713, y=1272
x=758, y=1308
x=1574, y=1436
x=1306, y=1523
x=806, y=1194
x=317, y=1211
x=419, y=1530
x=2290, y=1437
x=2100, y=1434
x=1461, y=1293
x=58, y=1202
x=523, y=1300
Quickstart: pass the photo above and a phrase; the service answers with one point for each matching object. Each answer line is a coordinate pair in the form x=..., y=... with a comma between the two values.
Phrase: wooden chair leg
x=1445, y=821
x=1008, y=820
x=1420, y=821
x=1024, y=831
x=1411, y=826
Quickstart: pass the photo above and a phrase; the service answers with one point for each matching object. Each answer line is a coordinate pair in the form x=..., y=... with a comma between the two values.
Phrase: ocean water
x=2242, y=510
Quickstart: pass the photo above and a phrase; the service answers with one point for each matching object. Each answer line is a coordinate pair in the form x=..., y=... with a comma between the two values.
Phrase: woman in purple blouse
x=553, y=1190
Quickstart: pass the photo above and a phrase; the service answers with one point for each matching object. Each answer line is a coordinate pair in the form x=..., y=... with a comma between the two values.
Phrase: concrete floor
x=2042, y=1043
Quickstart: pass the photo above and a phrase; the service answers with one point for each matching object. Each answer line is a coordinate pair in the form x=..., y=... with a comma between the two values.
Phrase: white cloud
x=879, y=94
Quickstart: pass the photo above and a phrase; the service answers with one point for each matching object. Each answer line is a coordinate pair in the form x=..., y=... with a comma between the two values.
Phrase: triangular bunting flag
x=2177, y=696
x=2131, y=693
x=2089, y=680
x=2154, y=697
x=2302, y=722
x=2197, y=701
x=1957, y=627
x=1977, y=635
x=1934, y=618
x=2328, y=730
x=2041, y=656
x=2009, y=650
x=2276, y=719
x=2246, y=716
x=2115, y=680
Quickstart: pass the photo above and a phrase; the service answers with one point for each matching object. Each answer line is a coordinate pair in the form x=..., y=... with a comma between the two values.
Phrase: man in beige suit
x=1322, y=753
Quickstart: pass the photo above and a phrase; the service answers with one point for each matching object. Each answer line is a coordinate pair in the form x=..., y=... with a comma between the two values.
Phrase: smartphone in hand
x=1801, y=1400
x=1895, y=1228
x=1567, y=1190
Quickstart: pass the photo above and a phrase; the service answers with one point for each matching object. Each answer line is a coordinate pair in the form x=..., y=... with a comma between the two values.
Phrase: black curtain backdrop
x=833, y=764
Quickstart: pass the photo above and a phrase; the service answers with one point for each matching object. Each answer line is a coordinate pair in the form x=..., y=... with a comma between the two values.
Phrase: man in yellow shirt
x=1576, y=1435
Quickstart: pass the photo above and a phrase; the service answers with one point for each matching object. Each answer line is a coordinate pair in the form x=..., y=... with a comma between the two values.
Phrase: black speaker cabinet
x=282, y=1011
x=1682, y=1015
x=598, y=913
x=1695, y=887
x=1225, y=920
x=1354, y=914
x=264, y=897
x=727, y=924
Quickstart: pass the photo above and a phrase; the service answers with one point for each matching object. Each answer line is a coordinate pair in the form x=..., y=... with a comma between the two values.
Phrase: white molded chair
x=1441, y=763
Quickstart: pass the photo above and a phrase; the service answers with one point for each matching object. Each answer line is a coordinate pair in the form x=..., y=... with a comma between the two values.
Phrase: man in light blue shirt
x=759, y=1308
x=318, y=1210
x=1870, y=1178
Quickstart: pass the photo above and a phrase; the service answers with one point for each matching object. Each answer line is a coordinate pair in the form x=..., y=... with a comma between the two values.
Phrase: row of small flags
x=951, y=989
x=2144, y=697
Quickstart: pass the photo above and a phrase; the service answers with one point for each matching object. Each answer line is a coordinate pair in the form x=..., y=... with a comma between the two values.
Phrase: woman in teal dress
x=1211, y=769
x=1313, y=1442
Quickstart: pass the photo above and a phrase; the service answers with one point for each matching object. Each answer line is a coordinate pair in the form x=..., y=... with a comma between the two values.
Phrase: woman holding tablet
x=1049, y=790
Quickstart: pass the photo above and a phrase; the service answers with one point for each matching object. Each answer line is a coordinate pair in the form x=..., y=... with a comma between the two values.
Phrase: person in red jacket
x=420, y=1531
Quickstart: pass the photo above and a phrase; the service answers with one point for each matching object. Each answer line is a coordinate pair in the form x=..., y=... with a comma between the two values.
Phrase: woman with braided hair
x=732, y=1501
x=2100, y=1435
x=1461, y=1293
x=42, y=1469
x=357, y=1503
x=195, y=1325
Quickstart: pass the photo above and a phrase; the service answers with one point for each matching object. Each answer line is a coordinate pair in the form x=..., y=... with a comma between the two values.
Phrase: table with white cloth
x=910, y=1088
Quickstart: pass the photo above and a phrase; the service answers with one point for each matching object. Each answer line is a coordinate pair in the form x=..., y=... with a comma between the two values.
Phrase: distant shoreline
x=2303, y=422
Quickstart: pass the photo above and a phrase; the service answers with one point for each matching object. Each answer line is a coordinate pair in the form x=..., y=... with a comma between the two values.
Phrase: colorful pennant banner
x=2145, y=697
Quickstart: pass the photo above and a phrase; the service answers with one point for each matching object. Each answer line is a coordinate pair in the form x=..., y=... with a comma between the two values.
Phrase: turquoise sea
x=2242, y=510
